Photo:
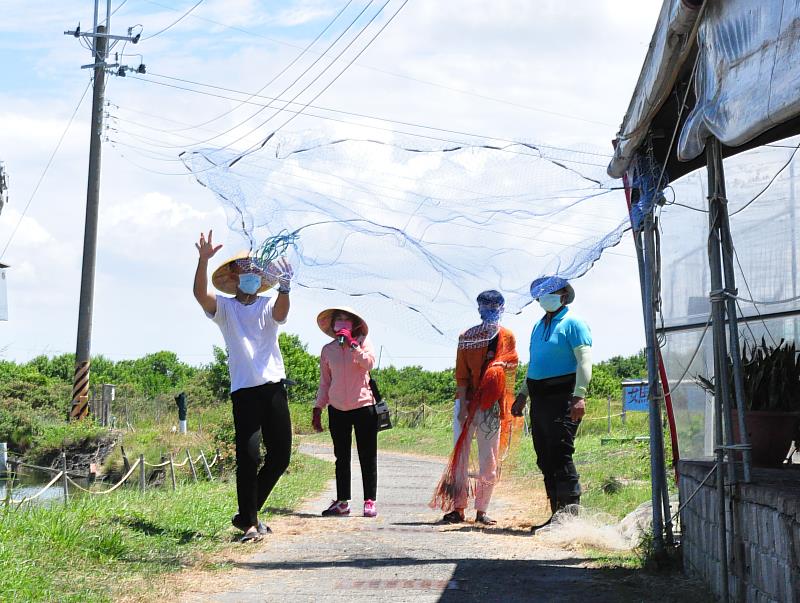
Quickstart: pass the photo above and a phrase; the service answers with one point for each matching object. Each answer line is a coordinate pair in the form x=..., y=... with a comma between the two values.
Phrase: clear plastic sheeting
x=419, y=230
x=747, y=79
x=669, y=46
x=692, y=406
x=763, y=194
x=764, y=226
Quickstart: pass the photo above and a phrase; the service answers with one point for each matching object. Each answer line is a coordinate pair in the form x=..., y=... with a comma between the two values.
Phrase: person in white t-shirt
x=249, y=325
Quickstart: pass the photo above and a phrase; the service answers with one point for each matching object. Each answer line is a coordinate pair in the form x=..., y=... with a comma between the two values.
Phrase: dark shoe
x=239, y=522
x=485, y=519
x=535, y=529
x=337, y=507
x=453, y=517
x=251, y=535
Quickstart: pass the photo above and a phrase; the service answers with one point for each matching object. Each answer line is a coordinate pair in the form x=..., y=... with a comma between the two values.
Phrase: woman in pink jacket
x=344, y=366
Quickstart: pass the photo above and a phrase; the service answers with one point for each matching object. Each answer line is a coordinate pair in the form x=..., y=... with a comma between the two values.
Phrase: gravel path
x=406, y=555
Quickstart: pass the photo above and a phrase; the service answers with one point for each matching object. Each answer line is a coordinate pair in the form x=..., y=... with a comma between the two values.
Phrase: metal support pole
x=718, y=298
x=172, y=471
x=64, y=477
x=793, y=235
x=656, y=471
x=734, y=350
x=609, y=414
x=80, y=385
x=720, y=365
x=142, y=483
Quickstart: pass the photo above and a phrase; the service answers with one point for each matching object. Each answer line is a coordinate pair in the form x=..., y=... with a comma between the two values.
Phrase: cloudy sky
x=553, y=72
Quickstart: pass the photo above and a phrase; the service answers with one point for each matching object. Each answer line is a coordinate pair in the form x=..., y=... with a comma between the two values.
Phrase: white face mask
x=550, y=302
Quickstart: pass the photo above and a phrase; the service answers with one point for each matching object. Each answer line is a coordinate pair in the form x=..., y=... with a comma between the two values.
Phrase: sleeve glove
x=348, y=337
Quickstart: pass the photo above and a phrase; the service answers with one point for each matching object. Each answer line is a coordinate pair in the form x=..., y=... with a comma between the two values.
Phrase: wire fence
x=64, y=479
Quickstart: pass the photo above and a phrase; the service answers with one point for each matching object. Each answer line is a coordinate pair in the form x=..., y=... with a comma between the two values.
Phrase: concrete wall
x=764, y=541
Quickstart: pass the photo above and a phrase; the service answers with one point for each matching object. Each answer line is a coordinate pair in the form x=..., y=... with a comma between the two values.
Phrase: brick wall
x=763, y=531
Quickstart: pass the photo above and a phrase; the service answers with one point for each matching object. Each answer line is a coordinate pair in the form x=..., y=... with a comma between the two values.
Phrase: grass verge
x=97, y=548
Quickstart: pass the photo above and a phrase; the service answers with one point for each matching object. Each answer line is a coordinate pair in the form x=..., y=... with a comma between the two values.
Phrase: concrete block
x=784, y=585
x=755, y=565
x=766, y=573
x=780, y=533
x=766, y=536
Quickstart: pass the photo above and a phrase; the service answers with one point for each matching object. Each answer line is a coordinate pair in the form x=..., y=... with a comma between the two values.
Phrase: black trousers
x=260, y=413
x=554, y=436
x=342, y=423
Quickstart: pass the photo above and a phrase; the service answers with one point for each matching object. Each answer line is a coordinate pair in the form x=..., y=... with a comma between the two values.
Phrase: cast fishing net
x=417, y=229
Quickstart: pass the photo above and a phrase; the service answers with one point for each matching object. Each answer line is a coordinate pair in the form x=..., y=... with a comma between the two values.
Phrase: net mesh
x=419, y=228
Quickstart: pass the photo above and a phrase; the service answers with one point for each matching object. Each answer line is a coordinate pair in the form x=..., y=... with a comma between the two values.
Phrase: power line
x=400, y=75
x=46, y=168
x=402, y=132
x=282, y=71
x=174, y=23
x=304, y=73
x=533, y=146
x=362, y=115
x=255, y=147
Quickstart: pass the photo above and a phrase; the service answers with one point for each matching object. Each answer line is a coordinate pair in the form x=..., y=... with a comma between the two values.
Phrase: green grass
x=99, y=547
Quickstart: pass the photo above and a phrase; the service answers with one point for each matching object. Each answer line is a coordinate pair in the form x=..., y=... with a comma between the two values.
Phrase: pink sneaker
x=369, y=508
x=337, y=507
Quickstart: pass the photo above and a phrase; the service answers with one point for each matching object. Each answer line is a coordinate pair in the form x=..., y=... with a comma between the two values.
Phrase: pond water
x=29, y=482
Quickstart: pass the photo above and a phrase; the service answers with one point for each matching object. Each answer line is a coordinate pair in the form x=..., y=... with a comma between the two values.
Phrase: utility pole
x=100, y=36
x=792, y=234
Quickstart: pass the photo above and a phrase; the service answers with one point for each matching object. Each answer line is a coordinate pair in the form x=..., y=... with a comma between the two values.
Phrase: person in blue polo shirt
x=559, y=373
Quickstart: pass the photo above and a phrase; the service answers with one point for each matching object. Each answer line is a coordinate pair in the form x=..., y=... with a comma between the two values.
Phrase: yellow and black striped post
x=80, y=391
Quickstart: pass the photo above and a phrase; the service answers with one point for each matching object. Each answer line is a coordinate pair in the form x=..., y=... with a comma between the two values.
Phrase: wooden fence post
x=205, y=464
x=172, y=471
x=609, y=415
x=142, y=483
x=191, y=465
x=64, y=477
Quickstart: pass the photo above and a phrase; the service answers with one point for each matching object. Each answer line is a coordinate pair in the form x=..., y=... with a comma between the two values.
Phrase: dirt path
x=405, y=555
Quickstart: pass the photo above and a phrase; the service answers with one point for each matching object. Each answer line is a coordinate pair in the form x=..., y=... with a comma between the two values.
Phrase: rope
x=40, y=492
x=213, y=461
x=114, y=487
x=164, y=464
x=686, y=502
x=48, y=469
x=603, y=418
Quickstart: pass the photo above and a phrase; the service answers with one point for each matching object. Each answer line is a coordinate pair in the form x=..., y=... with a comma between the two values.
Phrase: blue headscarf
x=491, y=305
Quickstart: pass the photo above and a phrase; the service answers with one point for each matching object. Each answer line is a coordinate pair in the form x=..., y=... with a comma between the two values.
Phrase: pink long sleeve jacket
x=344, y=375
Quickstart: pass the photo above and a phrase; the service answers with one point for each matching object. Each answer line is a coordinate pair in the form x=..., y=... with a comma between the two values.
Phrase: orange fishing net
x=496, y=387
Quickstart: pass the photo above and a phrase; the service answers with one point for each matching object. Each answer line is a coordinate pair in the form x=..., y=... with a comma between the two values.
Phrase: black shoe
x=485, y=519
x=239, y=522
x=453, y=517
x=536, y=528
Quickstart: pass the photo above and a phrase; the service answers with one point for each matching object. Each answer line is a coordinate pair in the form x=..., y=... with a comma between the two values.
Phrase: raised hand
x=282, y=271
x=205, y=248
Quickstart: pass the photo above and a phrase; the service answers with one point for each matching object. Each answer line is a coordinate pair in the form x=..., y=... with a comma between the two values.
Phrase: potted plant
x=771, y=376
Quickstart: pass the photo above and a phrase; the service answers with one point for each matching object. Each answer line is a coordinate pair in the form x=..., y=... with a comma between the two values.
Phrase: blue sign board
x=635, y=396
